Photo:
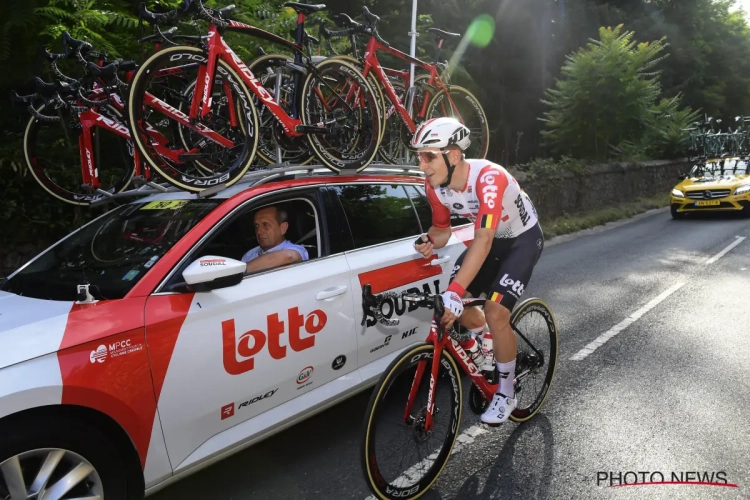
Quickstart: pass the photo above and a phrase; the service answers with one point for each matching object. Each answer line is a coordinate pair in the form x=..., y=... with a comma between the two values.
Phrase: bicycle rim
x=337, y=95
x=386, y=408
x=67, y=186
x=534, y=319
x=465, y=107
x=294, y=150
x=228, y=165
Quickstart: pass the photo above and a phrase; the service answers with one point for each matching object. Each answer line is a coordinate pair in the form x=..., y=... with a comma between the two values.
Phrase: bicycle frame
x=371, y=63
x=218, y=49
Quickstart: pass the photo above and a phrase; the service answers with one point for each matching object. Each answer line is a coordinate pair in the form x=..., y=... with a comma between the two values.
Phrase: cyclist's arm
x=491, y=189
x=273, y=259
x=440, y=231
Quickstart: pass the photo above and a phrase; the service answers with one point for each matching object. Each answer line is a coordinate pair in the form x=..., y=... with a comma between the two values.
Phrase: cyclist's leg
x=512, y=278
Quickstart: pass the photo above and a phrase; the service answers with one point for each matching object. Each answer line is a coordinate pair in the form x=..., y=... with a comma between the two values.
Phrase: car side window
x=421, y=206
x=235, y=236
x=456, y=220
x=378, y=213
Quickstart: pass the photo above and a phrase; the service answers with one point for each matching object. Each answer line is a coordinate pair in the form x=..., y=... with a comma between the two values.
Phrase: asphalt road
x=668, y=393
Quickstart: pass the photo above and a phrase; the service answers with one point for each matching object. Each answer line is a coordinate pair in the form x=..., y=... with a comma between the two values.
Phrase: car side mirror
x=212, y=272
x=682, y=177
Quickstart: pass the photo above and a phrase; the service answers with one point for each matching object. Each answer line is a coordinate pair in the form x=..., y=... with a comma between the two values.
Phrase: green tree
x=608, y=95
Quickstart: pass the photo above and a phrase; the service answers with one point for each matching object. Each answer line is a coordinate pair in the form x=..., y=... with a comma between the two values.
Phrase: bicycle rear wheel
x=338, y=98
x=417, y=457
x=223, y=159
x=465, y=107
x=534, y=370
x=53, y=157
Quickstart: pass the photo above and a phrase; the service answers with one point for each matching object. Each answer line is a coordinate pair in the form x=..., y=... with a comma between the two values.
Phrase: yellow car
x=714, y=186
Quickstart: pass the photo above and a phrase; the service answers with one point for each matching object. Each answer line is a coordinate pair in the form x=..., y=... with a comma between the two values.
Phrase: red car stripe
x=105, y=366
x=387, y=278
x=164, y=318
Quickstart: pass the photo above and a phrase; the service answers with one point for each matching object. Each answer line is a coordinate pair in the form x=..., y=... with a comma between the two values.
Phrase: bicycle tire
x=368, y=127
x=266, y=149
x=188, y=182
x=535, y=305
x=38, y=172
x=462, y=94
x=369, y=462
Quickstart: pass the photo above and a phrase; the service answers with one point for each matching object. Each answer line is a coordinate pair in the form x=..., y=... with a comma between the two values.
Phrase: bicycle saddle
x=304, y=8
x=446, y=34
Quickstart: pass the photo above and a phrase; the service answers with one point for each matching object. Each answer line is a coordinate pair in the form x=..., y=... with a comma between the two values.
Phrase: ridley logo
x=489, y=191
x=227, y=411
x=252, y=342
x=267, y=395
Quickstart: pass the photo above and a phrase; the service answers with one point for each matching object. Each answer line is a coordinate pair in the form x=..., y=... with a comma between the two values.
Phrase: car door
x=384, y=224
x=264, y=345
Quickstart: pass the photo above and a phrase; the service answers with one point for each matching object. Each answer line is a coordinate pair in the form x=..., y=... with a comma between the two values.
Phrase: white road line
x=410, y=477
x=604, y=337
x=727, y=249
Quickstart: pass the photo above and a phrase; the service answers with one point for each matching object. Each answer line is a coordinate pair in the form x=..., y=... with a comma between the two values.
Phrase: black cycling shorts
x=507, y=269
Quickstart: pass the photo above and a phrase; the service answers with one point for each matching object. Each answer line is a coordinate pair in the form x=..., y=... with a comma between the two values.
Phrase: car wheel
x=60, y=458
x=675, y=214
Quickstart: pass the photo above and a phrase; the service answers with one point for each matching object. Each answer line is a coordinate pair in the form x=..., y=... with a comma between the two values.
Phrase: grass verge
x=576, y=222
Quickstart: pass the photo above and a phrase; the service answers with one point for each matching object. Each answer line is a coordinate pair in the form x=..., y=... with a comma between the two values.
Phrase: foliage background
x=693, y=59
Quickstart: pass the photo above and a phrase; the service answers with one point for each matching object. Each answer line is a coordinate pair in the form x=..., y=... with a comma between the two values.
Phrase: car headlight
x=742, y=189
x=677, y=193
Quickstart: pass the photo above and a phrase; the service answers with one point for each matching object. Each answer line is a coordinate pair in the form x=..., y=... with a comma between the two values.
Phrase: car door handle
x=331, y=292
x=441, y=260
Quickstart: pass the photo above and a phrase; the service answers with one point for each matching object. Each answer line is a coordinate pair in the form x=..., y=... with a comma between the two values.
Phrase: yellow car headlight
x=679, y=194
x=742, y=189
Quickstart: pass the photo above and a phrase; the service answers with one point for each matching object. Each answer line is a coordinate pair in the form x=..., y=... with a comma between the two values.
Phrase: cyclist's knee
x=496, y=313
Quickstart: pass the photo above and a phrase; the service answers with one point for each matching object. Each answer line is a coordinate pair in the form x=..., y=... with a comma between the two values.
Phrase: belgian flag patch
x=486, y=221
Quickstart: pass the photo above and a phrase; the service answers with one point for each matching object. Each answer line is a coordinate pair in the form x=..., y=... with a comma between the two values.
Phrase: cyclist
x=507, y=244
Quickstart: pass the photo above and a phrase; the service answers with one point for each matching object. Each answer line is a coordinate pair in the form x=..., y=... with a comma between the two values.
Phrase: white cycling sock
x=507, y=374
x=477, y=332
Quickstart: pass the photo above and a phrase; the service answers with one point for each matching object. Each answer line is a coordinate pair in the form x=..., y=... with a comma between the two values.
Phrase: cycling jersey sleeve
x=491, y=185
x=441, y=216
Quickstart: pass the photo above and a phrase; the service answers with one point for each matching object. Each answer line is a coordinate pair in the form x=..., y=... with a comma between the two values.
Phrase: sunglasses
x=428, y=156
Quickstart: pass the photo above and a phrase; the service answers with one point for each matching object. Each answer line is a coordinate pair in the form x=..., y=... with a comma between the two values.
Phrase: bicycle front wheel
x=339, y=100
x=220, y=147
x=401, y=459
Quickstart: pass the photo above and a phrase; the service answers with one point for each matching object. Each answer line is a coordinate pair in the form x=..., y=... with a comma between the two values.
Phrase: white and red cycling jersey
x=491, y=199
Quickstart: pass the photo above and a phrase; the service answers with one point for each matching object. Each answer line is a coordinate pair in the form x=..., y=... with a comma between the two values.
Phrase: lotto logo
x=514, y=285
x=489, y=190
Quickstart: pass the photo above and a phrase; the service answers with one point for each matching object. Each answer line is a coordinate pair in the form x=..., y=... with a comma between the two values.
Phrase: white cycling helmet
x=441, y=133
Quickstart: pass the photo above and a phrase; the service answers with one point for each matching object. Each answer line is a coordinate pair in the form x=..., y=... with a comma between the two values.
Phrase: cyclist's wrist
x=455, y=286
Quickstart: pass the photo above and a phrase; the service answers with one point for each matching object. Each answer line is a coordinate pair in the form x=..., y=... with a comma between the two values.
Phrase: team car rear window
x=111, y=253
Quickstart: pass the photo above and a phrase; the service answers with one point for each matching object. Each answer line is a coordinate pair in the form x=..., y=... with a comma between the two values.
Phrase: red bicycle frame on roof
x=371, y=63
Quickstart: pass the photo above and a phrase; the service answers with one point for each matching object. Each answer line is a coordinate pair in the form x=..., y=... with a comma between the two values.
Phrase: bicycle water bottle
x=472, y=348
x=488, y=366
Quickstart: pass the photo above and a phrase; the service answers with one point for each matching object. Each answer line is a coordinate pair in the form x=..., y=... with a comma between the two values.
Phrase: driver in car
x=273, y=248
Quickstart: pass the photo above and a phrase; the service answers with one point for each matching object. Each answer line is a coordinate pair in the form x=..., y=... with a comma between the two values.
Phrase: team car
x=716, y=185
x=138, y=350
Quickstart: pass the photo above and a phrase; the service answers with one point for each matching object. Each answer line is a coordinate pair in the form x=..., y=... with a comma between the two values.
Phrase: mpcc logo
x=99, y=355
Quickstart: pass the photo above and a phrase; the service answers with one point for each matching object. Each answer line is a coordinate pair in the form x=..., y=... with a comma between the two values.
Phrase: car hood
x=715, y=182
x=30, y=327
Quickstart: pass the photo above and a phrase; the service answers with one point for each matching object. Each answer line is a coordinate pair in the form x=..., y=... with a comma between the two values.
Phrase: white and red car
x=175, y=359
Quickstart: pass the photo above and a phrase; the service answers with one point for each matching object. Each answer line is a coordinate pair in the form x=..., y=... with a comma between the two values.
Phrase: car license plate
x=707, y=203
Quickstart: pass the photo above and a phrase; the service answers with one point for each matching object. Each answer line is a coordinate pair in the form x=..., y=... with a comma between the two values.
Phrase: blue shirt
x=284, y=245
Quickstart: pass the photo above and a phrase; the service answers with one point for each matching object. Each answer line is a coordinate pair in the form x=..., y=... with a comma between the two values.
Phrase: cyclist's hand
x=454, y=307
x=425, y=247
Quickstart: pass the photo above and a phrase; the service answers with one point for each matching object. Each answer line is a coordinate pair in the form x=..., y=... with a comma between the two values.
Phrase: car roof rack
x=253, y=178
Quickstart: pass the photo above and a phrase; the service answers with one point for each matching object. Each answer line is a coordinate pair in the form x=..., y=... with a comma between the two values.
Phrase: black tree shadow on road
x=522, y=470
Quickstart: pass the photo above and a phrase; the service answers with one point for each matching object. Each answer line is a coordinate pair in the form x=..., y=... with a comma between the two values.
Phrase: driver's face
x=267, y=228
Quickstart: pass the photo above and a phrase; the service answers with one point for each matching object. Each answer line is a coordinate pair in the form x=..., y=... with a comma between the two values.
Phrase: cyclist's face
x=267, y=228
x=433, y=165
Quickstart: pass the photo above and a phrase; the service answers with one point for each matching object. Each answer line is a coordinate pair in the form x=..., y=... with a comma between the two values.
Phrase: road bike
x=432, y=96
x=331, y=104
x=420, y=396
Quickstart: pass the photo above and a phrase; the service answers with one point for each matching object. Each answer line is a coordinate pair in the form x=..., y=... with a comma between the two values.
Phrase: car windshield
x=111, y=253
x=731, y=166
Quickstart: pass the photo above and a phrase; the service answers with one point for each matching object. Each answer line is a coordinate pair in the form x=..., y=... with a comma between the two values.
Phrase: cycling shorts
x=508, y=267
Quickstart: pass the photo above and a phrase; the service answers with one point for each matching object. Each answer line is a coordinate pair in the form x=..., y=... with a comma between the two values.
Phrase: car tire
x=66, y=443
x=675, y=214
